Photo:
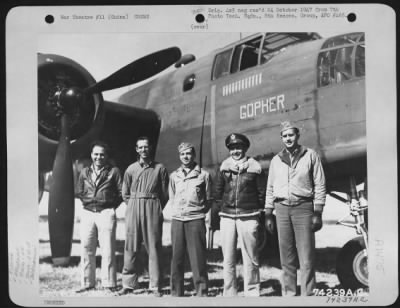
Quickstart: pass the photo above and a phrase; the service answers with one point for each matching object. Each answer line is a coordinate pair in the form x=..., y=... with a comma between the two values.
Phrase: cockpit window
x=275, y=43
x=246, y=55
x=341, y=40
x=343, y=59
x=258, y=50
x=360, y=60
x=221, y=64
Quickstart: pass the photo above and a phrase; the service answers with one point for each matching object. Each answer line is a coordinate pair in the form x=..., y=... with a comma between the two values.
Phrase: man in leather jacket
x=99, y=188
x=240, y=188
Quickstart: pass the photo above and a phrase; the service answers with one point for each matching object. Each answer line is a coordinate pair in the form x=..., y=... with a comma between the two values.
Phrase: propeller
x=138, y=70
x=68, y=103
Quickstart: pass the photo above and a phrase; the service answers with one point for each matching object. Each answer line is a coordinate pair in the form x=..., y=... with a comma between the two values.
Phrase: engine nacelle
x=56, y=73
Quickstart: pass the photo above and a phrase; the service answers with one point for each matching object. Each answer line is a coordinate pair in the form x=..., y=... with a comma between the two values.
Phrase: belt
x=281, y=200
x=95, y=209
x=143, y=195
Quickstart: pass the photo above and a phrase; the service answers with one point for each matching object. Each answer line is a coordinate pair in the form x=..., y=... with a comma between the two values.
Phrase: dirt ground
x=63, y=281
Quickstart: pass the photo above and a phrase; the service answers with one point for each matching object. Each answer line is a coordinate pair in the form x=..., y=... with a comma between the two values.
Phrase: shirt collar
x=145, y=165
x=194, y=171
x=286, y=156
x=294, y=153
x=100, y=170
x=240, y=161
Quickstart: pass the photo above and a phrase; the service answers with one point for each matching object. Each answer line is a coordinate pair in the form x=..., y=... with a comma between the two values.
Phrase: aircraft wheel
x=352, y=264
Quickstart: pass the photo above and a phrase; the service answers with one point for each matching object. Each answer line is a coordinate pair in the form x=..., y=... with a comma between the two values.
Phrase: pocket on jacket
x=201, y=191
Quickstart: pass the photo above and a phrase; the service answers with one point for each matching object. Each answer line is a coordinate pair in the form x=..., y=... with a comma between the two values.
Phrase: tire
x=352, y=265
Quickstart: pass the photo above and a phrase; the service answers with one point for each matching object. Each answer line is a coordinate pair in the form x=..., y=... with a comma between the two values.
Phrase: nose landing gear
x=352, y=260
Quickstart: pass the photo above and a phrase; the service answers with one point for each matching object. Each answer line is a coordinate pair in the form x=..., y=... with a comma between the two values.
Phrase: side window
x=336, y=65
x=360, y=61
x=325, y=73
x=342, y=68
x=246, y=55
x=221, y=64
x=189, y=82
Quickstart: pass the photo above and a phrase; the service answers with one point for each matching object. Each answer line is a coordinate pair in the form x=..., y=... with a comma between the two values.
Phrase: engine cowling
x=54, y=74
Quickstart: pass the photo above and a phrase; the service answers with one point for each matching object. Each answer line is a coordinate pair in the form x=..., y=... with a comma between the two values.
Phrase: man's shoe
x=110, y=289
x=157, y=293
x=84, y=289
x=124, y=291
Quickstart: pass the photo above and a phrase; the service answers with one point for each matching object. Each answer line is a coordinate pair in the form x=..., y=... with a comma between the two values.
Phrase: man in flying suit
x=145, y=191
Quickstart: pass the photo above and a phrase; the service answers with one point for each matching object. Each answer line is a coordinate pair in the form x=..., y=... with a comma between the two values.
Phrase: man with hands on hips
x=296, y=190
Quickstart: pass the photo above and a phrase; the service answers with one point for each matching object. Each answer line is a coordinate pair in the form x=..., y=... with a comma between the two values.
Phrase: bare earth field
x=64, y=281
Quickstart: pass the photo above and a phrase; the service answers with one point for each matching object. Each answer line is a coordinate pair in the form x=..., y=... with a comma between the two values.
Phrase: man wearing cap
x=145, y=191
x=296, y=190
x=240, y=188
x=190, y=197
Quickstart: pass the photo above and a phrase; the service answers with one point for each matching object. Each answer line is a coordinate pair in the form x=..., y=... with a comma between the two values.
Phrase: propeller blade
x=61, y=199
x=138, y=70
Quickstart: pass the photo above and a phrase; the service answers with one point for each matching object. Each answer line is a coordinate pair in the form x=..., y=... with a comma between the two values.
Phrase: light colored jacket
x=296, y=181
x=189, y=194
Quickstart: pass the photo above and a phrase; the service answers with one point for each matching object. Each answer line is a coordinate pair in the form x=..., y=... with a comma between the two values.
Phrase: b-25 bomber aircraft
x=248, y=87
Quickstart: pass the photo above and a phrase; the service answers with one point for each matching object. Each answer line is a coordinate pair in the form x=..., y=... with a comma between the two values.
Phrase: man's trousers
x=296, y=245
x=143, y=222
x=189, y=236
x=246, y=230
x=99, y=226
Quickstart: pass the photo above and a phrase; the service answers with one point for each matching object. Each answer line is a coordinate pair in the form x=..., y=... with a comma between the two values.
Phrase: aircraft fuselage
x=293, y=85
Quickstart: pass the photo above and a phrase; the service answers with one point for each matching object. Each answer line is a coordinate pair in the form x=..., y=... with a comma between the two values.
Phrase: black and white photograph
x=179, y=161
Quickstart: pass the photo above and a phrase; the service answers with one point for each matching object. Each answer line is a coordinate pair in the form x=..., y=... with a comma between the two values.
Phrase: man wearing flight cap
x=190, y=196
x=296, y=190
x=240, y=188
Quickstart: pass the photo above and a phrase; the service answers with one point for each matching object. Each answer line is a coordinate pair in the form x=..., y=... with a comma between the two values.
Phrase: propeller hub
x=69, y=100
x=60, y=92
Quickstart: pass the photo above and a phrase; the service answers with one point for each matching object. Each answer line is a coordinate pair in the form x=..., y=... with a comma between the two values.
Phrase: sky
x=102, y=53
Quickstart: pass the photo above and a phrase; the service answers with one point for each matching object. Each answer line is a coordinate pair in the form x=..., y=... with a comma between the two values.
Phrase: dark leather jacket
x=107, y=192
x=240, y=192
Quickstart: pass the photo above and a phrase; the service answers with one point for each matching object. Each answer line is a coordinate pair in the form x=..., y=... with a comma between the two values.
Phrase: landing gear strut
x=352, y=260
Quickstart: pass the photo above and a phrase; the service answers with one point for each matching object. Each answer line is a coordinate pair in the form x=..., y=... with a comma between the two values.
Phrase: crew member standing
x=240, y=188
x=99, y=188
x=190, y=197
x=296, y=190
x=145, y=191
